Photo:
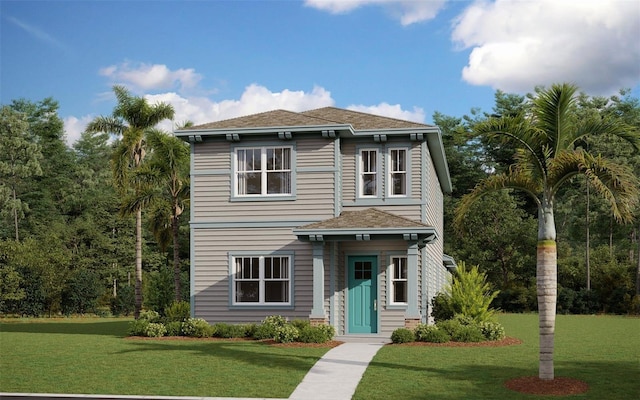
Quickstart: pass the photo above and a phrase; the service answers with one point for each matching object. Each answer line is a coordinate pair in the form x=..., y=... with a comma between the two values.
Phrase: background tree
x=131, y=119
x=19, y=159
x=547, y=156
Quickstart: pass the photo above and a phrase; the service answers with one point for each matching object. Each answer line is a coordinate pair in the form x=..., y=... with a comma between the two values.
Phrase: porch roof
x=368, y=224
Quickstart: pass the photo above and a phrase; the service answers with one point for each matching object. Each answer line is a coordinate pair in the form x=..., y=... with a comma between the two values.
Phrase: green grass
x=603, y=351
x=91, y=356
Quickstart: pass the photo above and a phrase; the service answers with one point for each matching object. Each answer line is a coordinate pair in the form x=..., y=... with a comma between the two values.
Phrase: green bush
x=124, y=303
x=300, y=323
x=403, y=335
x=250, y=330
x=228, y=331
x=450, y=326
x=267, y=330
x=138, y=327
x=492, y=330
x=197, y=327
x=149, y=316
x=431, y=334
x=155, y=330
x=441, y=307
x=470, y=293
x=178, y=311
x=173, y=328
x=286, y=334
x=468, y=333
x=316, y=334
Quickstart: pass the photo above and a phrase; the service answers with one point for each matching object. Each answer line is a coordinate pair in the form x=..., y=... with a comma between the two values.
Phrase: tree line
x=83, y=227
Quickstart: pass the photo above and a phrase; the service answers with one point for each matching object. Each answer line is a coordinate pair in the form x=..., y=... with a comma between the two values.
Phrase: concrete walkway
x=334, y=377
x=337, y=374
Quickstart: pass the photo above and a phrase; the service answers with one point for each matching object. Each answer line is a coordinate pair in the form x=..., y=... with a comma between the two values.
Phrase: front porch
x=367, y=271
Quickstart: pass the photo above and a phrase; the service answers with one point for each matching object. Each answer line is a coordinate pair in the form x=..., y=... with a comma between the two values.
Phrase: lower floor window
x=262, y=280
x=399, y=280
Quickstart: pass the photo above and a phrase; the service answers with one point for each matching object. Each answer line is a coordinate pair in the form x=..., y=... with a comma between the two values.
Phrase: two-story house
x=330, y=215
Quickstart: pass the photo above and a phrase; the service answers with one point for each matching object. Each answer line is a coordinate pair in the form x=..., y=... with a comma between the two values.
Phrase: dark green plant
x=403, y=335
x=228, y=331
x=470, y=294
x=124, y=303
x=450, y=326
x=178, y=311
x=82, y=292
x=468, y=333
x=300, y=323
x=138, y=327
x=316, y=334
x=173, y=328
x=431, y=334
x=441, y=307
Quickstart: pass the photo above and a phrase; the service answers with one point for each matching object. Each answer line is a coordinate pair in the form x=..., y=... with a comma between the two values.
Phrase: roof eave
x=185, y=133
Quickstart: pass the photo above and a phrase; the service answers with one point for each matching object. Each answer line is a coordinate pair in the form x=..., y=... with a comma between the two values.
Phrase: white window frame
x=391, y=171
x=362, y=173
x=261, y=279
x=393, y=278
x=263, y=171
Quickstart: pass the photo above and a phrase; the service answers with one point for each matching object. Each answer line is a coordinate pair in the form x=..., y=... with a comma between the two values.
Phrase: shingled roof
x=327, y=116
x=370, y=218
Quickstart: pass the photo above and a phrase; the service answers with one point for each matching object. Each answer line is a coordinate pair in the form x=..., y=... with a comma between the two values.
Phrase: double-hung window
x=397, y=172
x=398, y=281
x=263, y=171
x=368, y=169
x=261, y=280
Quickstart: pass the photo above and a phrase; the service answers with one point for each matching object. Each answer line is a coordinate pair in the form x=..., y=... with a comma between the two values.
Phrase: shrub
x=155, y=330
x=228, y=331
x=178, y=311
x=316, y=334
x=124, y=303
x=403, y=335
x=197, y=327
x=431, y=334
x=149, y=316
x=173, y=328
x=470, y=293
x=450, y=326
x=286, y=334
x=300, y=323
x=267, y=330
x=492, y=330
x=441, y=307
x=468, y=333
x=138, y=327
x=250, y=330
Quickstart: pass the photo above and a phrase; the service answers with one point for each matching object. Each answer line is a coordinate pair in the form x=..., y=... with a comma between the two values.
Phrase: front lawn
x=603, y=351
x=93, y=356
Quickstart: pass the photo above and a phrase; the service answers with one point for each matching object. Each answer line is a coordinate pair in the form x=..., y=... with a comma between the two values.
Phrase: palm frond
x=553, y=114
x=137, y=201
x=111, y=125
x=607, y=126
x=514, y=179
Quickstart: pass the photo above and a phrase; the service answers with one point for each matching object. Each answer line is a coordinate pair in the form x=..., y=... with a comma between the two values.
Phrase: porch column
x=413, y=312
x=317, y=312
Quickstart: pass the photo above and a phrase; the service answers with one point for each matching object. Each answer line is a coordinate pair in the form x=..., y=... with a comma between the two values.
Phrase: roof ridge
x=368, y=114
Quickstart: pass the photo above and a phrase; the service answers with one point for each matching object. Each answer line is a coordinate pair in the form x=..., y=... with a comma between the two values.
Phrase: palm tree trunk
x=138, y=305
x=176, y=258
x=547, y=288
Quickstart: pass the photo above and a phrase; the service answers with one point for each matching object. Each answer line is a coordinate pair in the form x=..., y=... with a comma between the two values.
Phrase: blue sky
x=220, y=59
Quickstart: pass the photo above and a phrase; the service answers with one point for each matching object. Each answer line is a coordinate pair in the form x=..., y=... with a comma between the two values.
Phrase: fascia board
x=263, y=130
x=439, y=158
x=369, y=231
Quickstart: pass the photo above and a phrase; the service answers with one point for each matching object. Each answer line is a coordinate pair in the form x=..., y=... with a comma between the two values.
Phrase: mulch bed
x=508, y=341
x=560, y=386
x=271, y=342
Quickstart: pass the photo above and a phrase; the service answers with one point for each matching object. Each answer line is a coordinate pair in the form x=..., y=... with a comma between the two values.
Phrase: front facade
x=329, y=215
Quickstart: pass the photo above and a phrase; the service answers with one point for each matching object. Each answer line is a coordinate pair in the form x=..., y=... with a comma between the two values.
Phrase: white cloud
x=151, y=76
x=73, y=128
x=392, y=111
x=254, y=99
x=517, y=45
x=407, y=11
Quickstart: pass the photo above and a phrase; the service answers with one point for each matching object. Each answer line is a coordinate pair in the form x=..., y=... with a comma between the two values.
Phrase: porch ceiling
x=368, y=224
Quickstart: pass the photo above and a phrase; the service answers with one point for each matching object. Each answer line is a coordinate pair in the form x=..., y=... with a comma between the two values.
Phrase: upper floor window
x=398, y=270
x=262, y=280
x=262, y=171
x=398, y=172
x=369, y=173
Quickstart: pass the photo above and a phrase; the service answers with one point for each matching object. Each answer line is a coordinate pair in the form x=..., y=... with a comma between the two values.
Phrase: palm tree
x=131, y=119
x=168, y=168
x=548, y=141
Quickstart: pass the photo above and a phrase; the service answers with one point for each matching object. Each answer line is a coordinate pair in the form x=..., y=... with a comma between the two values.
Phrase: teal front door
x=363, y=298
